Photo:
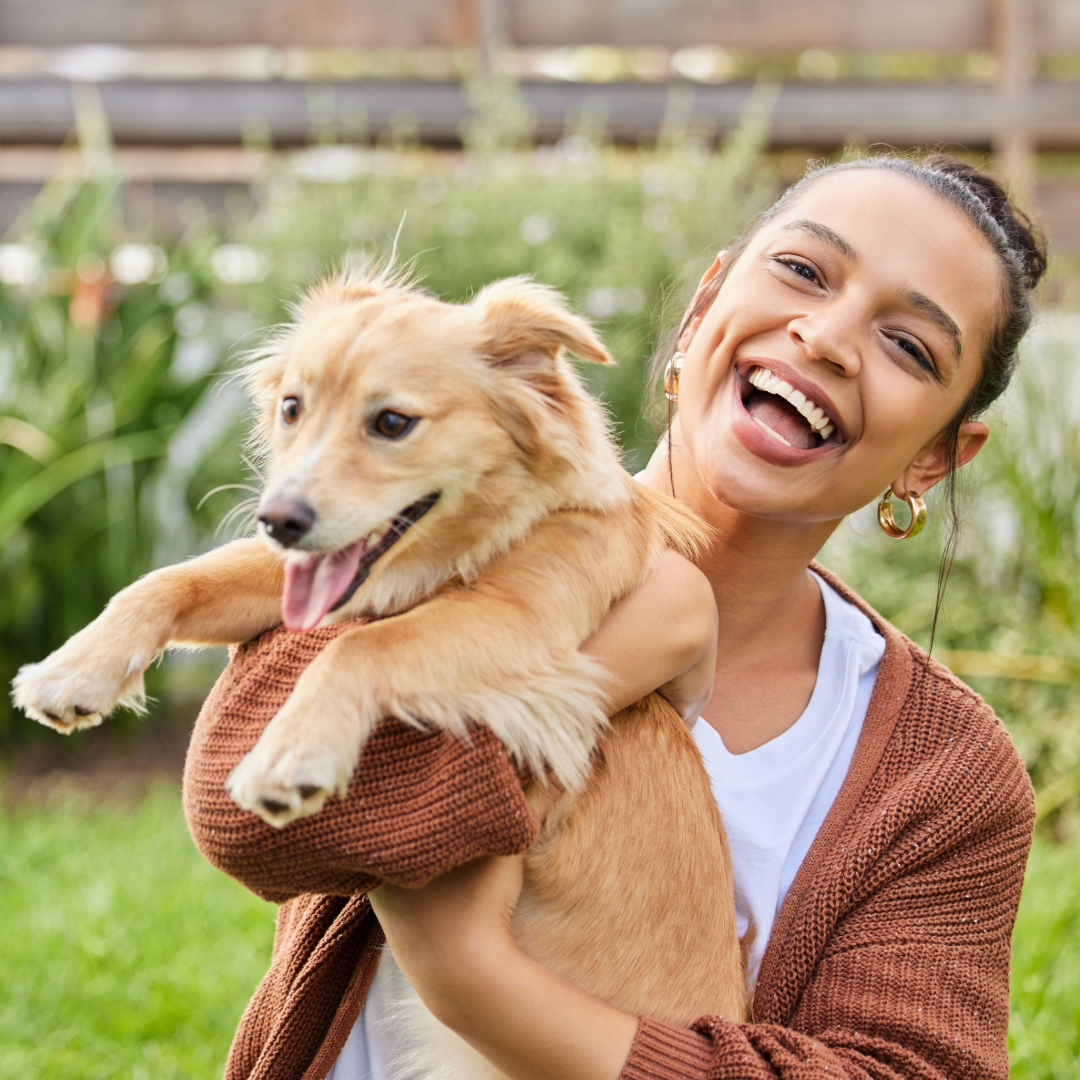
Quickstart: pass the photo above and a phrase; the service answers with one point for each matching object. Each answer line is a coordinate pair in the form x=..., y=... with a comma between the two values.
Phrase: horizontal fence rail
x=213, y=111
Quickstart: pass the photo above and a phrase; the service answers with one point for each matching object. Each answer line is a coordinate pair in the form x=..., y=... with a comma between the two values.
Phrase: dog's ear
x=523, y=320
x=525, y=328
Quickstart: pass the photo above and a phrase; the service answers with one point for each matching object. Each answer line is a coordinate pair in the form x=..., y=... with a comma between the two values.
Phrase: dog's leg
x=228, y=595
x=502, y=651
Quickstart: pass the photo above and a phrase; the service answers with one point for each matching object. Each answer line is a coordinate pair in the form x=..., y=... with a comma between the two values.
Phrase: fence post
x=492, y=34
x=1012, y=36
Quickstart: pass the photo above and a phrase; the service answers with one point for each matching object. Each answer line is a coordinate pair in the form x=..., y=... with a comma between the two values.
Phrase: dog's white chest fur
x=405, y=1042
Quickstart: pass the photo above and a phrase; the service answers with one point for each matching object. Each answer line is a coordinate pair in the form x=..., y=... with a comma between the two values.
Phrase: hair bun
x=1025, y=237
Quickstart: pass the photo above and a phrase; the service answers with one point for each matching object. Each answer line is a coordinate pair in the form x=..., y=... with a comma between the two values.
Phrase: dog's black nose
x=287, y=520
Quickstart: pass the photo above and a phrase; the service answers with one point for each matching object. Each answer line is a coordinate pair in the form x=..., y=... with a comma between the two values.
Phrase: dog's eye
x=290, y=410
x=392, y=425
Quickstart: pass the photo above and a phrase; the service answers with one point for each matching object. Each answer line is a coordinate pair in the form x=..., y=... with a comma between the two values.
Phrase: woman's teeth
x=764, y=380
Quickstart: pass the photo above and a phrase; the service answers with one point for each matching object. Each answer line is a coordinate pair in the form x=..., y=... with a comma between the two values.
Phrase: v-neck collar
x=775, y=996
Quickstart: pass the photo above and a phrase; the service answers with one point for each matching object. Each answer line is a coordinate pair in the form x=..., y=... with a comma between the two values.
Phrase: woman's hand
x=452, y=939
x=662, y=636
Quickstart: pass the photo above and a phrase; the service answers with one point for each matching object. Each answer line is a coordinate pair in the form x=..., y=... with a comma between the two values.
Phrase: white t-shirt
x=773, y=801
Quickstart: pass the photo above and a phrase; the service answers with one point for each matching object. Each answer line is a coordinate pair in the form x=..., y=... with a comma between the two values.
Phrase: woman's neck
x=772, y=617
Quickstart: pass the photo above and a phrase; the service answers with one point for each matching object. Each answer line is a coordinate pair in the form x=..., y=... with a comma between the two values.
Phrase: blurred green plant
x=95, y=387
x=620, y=232
x=1044, y=1018
x=125, y=953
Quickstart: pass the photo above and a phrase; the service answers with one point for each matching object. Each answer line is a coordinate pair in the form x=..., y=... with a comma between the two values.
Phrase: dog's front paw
x=287, y=777
x=74, y=689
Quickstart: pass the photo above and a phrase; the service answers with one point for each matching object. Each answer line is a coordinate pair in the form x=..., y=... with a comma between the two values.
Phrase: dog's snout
x=287, y=520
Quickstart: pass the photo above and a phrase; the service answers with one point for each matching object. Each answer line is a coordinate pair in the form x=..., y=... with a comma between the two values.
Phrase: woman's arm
x=452, y=939
x=387, y=827
x=661, y=636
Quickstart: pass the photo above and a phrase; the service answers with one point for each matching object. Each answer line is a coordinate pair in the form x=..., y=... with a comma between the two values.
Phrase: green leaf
x=34, y=493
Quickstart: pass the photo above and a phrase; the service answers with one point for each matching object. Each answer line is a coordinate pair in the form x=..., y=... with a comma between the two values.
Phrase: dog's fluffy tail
x=678, y=526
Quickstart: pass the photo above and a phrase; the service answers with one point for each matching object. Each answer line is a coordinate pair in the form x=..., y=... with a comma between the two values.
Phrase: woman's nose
x=830, y=334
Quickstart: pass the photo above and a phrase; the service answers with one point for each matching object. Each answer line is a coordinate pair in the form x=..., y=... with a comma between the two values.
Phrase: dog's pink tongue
x=315, y=583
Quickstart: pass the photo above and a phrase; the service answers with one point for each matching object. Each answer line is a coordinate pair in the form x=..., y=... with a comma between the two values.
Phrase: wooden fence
x=1050, y=25
x=1018, y=106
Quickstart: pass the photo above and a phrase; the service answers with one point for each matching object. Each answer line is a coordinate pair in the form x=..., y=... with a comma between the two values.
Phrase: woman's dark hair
x=1021, y=250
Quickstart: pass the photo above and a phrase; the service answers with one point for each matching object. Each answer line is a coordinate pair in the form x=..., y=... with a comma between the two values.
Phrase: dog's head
x=405, y=440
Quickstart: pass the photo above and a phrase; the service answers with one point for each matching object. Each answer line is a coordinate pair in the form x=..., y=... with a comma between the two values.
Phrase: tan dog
x=442, y=464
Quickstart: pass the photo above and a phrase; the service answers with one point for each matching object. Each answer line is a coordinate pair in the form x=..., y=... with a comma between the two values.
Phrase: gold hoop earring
x=671, y=375
x=888, y=522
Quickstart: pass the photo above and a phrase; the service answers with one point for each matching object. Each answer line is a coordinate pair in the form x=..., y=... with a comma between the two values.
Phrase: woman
x=879, y=816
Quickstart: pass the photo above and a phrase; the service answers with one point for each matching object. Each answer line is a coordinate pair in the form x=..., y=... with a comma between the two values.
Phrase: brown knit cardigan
x=889, y=958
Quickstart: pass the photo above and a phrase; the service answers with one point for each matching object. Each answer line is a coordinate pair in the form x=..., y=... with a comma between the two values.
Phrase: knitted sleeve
x=906, y=956
x=419, y=804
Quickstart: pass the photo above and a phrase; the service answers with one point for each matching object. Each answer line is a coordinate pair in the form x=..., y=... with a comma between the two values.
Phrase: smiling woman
x=878, y=815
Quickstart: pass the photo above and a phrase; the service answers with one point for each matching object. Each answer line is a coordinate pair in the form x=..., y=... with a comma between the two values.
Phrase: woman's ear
x=691, y=327
x=932, y=464
x=714, y=269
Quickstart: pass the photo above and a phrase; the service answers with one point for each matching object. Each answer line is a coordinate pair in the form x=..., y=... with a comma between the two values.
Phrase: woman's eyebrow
x=823, y=232
x=936, y=314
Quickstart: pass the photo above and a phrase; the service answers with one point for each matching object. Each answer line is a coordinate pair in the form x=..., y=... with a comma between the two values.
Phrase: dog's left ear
x=522, y=318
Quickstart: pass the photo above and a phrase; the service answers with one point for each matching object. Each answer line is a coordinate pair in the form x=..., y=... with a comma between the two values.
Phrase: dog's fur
x=537, y=530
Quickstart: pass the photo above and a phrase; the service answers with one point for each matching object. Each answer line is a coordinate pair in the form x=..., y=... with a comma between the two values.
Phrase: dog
x=442, y=468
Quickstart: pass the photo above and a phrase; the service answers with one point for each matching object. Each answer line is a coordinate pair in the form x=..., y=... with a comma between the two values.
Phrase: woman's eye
x=804, y=270
x=392, y=425
x=290, y=410
x=913, y=350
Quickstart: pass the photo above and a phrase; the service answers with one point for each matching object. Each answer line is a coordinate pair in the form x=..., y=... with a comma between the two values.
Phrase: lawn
x=124, y=955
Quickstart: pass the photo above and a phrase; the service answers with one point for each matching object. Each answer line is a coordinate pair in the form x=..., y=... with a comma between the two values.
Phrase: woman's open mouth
x=793, y=424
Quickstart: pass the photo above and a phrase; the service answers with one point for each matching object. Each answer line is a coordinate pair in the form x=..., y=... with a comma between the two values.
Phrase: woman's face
x=845, y=339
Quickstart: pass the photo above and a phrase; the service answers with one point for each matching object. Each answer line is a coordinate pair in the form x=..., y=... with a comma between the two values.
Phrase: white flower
x=19, y=264
x=536, y=229
x=134, y=263
x=238, y=263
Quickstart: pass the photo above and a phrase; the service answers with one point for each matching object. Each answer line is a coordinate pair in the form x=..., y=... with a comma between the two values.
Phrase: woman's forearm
x=530, y=1022
x=453, y=941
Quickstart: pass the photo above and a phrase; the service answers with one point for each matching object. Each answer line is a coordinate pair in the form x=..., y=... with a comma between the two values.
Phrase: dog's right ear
x=523, y=320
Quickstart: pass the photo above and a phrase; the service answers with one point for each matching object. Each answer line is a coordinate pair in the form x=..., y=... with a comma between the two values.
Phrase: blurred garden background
x=170, y=179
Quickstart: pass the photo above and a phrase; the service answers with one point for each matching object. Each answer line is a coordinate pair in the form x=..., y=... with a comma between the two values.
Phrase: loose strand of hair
x=670, y=455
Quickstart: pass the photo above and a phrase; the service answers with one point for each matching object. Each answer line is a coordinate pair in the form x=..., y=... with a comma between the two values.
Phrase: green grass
x=1044, y=1034
x=124, y=955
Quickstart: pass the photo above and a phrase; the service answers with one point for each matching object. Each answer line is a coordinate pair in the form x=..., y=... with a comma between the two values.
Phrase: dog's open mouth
x=317, y=583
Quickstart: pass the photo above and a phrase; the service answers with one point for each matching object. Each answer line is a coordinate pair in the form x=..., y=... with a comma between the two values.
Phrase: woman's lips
x=817, y=419
x=762, y=440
